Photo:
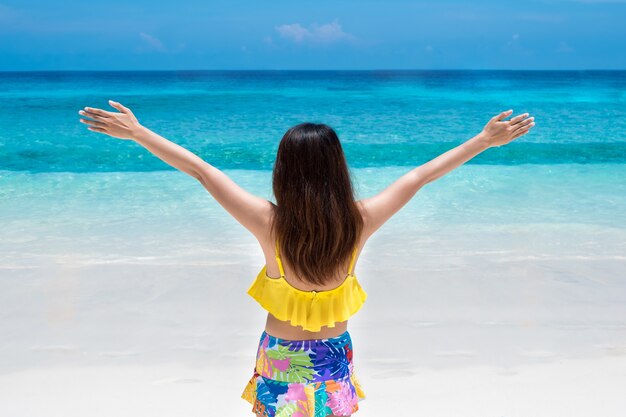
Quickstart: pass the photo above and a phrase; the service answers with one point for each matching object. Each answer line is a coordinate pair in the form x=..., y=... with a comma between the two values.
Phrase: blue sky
x=278, y=34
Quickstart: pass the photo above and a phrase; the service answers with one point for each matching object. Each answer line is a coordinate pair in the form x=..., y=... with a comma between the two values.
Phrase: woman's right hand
x=499, y=132
x=121, y=125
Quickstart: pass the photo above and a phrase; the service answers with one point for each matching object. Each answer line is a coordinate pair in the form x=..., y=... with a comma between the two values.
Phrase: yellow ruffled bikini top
x=309, y=309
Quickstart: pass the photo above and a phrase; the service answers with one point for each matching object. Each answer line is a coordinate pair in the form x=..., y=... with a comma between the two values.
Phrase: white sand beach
x=487, y=334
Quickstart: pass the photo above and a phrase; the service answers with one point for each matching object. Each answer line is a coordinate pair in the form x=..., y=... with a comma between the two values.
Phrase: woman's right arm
x=497, y=132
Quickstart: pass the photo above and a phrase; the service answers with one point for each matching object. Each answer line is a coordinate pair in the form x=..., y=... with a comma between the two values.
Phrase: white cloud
x=514, y=39
x=294, y=32
x=152, y=42
x=515, y=47
x=327, y=33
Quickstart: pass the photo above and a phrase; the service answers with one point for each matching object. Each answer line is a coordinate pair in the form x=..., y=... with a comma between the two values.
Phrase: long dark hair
x=316, y=219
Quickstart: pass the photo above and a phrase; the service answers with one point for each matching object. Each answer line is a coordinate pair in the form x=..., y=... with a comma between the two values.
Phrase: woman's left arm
x=249, y=210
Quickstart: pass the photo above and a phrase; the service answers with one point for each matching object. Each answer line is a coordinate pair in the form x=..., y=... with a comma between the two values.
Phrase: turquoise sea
x=64, y=189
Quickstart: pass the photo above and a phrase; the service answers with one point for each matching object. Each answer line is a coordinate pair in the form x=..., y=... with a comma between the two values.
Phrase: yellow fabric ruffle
x=308, y=309
x=357, y=387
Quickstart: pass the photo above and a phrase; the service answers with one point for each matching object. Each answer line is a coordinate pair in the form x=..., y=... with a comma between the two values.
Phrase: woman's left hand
x=122, y=125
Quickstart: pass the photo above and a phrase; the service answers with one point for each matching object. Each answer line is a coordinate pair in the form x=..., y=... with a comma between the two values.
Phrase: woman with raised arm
x=311, y=239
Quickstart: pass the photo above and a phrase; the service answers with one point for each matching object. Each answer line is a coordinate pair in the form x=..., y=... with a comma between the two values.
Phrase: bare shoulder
x=367, y=221
x=264, y=235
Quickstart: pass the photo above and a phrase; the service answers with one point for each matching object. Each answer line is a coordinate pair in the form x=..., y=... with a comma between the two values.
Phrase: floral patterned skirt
x=304, y=378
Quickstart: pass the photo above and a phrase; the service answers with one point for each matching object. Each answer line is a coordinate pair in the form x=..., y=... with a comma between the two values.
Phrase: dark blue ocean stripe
x=131, y=157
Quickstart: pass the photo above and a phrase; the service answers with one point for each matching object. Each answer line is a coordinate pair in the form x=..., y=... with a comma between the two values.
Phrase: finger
x=525, y=123
x=93, y=122
x=92, y=115
x=96, y=129
x=118, y=106
x=98, y=112
x=518, y=119
x=525, y=128
x=503, y=115
x=521, y=133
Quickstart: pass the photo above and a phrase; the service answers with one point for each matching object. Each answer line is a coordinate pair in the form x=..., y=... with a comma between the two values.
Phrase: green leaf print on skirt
x=287, y=410
x=290, y=366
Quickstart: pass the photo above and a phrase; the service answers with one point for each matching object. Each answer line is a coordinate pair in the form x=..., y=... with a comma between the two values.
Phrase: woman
x=311, y=240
